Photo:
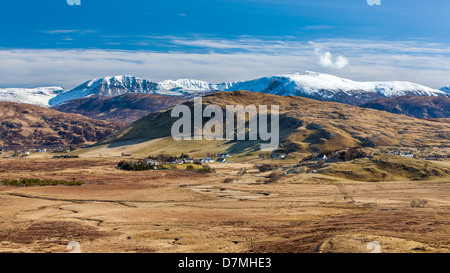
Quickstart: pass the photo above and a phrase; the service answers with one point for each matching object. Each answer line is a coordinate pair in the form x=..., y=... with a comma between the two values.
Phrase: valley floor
x=180, y=211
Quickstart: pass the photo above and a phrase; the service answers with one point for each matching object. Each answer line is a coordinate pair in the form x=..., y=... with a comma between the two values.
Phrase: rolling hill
x=306, y=125
x=126, y=108
x=26, y=124
x=414, y=106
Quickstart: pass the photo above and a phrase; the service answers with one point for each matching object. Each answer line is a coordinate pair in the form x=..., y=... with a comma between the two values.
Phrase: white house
x=150, y=162
x=206, y=160
x=176, y=161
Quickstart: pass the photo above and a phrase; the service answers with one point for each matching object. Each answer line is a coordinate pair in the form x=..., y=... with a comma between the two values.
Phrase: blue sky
x=48, y=42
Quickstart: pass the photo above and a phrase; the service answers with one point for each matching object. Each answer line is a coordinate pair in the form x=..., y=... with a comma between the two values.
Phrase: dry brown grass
x=179, y=211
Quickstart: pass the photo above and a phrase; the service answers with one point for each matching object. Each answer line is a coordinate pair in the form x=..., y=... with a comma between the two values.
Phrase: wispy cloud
x=68, y=31
x=249, y=45
x=317, y=27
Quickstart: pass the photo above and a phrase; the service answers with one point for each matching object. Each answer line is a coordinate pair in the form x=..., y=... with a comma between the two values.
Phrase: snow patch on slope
x=38, y=96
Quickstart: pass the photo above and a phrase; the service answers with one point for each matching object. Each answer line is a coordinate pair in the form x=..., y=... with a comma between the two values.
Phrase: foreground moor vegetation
x=32, y=182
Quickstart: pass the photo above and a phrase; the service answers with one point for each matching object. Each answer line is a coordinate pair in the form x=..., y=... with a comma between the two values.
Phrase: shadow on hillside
x=157, y=127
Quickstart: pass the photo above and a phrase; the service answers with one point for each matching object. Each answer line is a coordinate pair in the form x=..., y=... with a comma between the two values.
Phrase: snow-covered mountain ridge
x=331, y=88
x=305, y=84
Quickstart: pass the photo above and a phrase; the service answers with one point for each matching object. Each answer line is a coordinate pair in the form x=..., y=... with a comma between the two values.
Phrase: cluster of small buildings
x=153, y=162
x=273, y=156
x=409, y=155
x=24, y=152
x=221, y=158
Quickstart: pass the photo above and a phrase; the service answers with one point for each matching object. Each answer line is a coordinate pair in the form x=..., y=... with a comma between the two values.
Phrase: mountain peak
x=120, y=78
x=446, y=89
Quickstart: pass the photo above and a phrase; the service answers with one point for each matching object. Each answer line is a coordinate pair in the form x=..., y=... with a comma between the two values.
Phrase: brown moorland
x=178, y=211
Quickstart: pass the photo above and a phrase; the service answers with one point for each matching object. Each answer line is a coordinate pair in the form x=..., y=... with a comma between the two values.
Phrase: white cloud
x=326, y=61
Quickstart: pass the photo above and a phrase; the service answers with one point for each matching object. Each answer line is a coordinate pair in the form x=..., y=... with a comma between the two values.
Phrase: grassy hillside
x=306, y=126
x=386, y=168
x=25, y=124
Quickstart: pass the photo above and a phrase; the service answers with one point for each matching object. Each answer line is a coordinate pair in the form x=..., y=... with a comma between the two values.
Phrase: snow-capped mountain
x=331, y=88
x=185, y=87
x=446, y=89
x=119, y=85
x=109, y=86
x=37, y=96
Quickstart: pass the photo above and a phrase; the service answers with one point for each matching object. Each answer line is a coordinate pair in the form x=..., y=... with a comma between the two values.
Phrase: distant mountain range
x=308, y=84
x=414, y=106
x=125, y=108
